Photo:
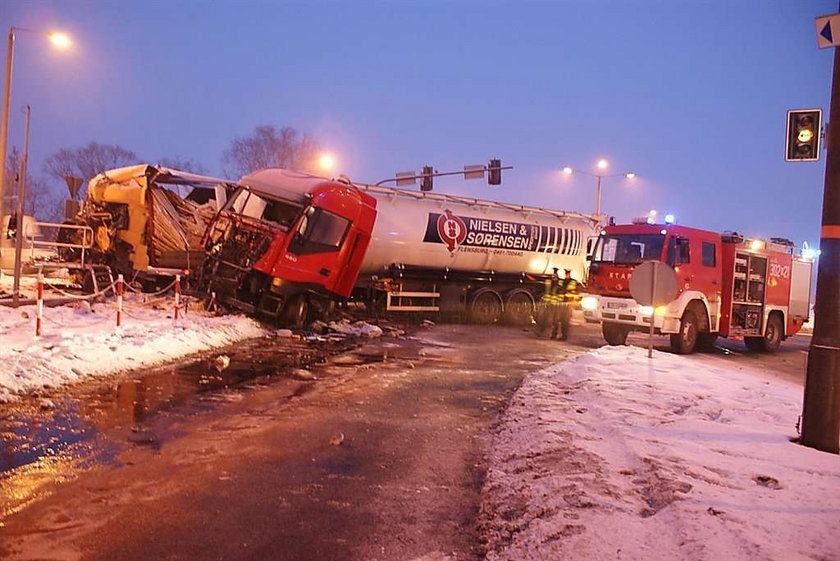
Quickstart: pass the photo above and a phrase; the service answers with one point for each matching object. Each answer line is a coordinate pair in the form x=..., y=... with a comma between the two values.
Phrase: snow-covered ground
x=81, y=340
x=616, y=456
x=608, y=456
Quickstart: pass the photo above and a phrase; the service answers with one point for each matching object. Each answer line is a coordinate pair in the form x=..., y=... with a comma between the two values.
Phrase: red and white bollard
x=177, y=295
x=39, y=313
x=119, y=299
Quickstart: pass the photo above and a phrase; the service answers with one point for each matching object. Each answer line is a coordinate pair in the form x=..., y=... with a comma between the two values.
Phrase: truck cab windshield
x=278, y=212
x=628, y=249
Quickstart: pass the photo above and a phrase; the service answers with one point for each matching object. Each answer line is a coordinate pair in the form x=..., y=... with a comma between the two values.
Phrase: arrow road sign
x=828, y=31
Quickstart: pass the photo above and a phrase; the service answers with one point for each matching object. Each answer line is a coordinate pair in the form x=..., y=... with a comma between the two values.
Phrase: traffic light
x=426, y=177
x=495, y=172
x=802, y=142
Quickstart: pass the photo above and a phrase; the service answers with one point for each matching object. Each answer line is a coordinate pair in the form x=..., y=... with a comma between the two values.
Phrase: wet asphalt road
x=379, y=457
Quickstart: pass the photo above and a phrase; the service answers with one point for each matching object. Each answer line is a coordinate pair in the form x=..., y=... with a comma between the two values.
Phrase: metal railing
x=34, y=242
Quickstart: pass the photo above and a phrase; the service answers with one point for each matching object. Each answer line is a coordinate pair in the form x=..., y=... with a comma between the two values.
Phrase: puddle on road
x=73, y=425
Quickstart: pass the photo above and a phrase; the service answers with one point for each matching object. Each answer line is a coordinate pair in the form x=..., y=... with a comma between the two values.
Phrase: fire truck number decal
x=779, y=271
x=454, y=231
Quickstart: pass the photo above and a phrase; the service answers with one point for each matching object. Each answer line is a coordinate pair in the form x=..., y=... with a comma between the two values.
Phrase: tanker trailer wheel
x=519, y=307
x=486, y=307
x=615, y=334
x=296, y=312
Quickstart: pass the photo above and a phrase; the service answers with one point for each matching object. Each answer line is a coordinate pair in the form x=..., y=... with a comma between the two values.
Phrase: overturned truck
x=147, y=222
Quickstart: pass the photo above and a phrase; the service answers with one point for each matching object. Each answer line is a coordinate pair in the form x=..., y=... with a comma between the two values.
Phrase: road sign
x=653, y=283
x=474, y=172
x=828, y=31
x=406, y=178
x=73, y=185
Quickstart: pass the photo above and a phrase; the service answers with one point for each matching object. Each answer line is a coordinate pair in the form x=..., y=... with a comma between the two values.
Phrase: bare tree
x=39, y=200
x=267, y=147
x=88, y=161
x=183, y=164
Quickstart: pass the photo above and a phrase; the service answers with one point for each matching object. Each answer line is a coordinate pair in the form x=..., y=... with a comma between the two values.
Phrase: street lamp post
x=61, y=41
x=602, y=165
x=21, y=200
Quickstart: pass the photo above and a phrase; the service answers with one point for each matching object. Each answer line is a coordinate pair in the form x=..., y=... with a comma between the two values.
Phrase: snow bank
x=615, y=456
x=79, y=341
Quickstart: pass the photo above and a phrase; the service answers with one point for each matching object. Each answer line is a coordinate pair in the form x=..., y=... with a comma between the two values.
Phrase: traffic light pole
x=821, y=407
x=433, y=174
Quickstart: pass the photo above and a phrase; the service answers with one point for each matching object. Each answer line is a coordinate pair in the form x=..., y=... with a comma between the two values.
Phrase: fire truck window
x=678, y=253
x=628, y=249
x=709, y=254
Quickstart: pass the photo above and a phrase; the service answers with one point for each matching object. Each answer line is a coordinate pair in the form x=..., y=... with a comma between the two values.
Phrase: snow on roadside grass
x=615, y=456
x=79, y=341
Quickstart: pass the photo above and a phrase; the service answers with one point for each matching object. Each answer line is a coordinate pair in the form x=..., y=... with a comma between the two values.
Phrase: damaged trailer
x=147, y=222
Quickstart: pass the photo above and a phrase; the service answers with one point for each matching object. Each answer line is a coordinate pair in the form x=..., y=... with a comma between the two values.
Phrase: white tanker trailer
x=437, y=252
x=288, y=245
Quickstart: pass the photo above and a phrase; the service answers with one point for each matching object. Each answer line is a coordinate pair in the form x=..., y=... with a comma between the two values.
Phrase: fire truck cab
x=726, y=286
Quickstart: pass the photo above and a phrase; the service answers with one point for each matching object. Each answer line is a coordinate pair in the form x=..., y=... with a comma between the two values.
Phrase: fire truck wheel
x=296, y=312
x=614, y=334
x=684, y=342
x=773, y=334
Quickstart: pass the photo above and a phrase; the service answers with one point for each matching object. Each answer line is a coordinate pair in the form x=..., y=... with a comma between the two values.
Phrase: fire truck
x=289, y=247
x=727, y=286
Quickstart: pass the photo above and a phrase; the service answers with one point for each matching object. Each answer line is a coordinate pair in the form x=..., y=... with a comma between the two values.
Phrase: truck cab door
x=697, y=264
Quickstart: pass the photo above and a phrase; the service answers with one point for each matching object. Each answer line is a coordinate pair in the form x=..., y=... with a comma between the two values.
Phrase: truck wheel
x=615, y=334
x=486, y=307
x=296, y=312
x=772, y=334
x=685, y=341
x=519, y=307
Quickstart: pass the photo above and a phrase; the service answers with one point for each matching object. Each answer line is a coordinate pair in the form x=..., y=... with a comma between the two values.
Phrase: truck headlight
x=646, y=310
x=589, y=303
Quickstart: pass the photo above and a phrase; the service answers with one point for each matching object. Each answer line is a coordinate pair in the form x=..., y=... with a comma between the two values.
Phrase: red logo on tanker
x=460, y=231
x=451, y=229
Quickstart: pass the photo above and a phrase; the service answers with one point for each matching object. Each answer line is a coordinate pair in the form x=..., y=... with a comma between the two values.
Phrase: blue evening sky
x=690, y=95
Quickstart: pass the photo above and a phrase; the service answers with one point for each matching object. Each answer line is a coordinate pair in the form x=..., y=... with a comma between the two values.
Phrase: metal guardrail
x=32, y=238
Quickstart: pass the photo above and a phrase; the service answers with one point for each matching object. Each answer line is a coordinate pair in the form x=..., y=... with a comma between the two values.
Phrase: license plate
x=616, y=305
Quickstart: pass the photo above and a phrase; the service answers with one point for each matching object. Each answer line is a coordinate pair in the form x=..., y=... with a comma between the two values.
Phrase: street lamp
x=326, y=162
x=59, y=40
x=601, y=165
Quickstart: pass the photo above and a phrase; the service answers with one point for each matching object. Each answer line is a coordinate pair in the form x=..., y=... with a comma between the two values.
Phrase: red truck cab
x=286, y=243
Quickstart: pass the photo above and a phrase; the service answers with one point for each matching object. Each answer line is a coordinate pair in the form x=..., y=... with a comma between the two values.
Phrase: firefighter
x=569, y=294
x=548, y=319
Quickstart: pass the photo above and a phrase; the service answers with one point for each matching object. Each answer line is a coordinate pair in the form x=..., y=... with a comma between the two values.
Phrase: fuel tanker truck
x=290, y=246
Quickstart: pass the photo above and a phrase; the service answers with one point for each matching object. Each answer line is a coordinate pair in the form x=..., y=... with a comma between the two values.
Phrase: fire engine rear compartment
x=748, y=291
